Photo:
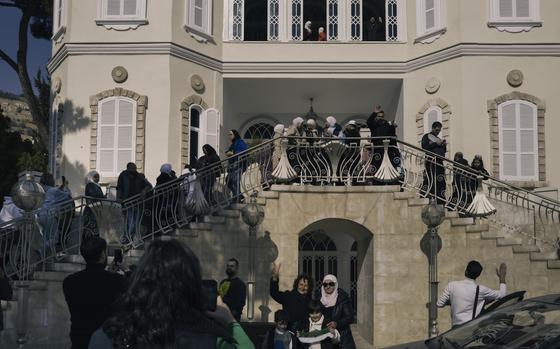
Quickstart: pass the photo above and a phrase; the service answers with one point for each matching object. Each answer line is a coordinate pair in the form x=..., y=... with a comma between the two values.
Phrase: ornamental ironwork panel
x=237, y=20
x=273, y=20
x=392, y=21
x=356, y=20
x=296, y=19
x=332, y=20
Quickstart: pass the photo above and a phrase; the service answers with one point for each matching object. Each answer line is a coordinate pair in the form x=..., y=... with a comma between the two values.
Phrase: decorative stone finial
x=27, y=194
x=57, y=84
x=515, y=78
x=119, y=74
x=197, y=83
x=432, y=85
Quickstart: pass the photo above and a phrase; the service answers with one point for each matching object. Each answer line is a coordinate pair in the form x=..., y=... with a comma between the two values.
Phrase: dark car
x=527, y=324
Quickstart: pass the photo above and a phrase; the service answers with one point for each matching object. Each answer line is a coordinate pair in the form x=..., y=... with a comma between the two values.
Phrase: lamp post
x=28, y=196
x=253, y=215
x=432, y=216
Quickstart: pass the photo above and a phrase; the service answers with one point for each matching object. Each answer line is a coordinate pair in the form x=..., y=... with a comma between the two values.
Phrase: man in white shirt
x=461, y=295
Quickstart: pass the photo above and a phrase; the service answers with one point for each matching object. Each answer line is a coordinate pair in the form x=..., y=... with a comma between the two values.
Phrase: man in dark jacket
x=434, y=179
x=6, y=293
x=90, y=293
x=126, y=182
x=233, y=290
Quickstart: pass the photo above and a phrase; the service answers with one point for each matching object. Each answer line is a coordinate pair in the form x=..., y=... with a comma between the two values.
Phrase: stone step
x=230, y=213
x=462, y=221
x=489, y=235
x=451, y=214
x=72, y=258
x=508, y=242
x=50, y=275
x=215, y=219
x=404, y=195
x=418, y=202
x=553, y=264
x=526, y=249
x=269, y=194
x=66, y=267
x=543, y=256
x=200, y=226
x=477, y=228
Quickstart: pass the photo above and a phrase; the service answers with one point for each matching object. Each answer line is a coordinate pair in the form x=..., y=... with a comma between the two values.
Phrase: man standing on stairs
x=91, y=293
x=233, y=290
x=467, y=298
x=433, y=186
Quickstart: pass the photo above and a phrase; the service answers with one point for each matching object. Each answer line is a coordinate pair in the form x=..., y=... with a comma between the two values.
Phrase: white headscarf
x=279, y=129
x=89, y=177
x=331, y=120
x=166, y=168
x=308, y=25
x=329, y=300
x=297, y=121
x=321, y=29
x=311, y=122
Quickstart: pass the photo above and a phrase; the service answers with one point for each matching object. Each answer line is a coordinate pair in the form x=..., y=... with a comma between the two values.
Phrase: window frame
x=198, y=129
x=514, y=24
x=202, y=33
x=59, y=15
x=121, y=22
x=101, y=103
x=428, y=35
x=518, y=129
x=428, y=128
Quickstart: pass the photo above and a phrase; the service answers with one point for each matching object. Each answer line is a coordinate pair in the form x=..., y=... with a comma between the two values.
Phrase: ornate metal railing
x=44, y=235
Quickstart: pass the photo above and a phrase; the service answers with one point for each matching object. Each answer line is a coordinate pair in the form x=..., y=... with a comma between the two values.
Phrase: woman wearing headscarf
x=165, y=199
x=277, y=152
x=332, y=128
x=92, y=191
x=296, y=129
x=166, y=174
x=236, y=165
x=307, y=32
x=210, y=164
x=338, y=307
x=477, y=169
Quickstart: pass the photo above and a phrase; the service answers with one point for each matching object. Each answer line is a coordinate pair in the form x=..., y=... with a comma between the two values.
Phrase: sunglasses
x=328, y=284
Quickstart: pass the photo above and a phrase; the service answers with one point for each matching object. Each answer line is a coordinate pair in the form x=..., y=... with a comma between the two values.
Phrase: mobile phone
x=118, y=256
x=209, y=295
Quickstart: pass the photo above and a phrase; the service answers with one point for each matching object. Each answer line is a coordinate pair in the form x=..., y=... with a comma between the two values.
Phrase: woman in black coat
x=294, y=302
x=338, y=307
x=208, y=178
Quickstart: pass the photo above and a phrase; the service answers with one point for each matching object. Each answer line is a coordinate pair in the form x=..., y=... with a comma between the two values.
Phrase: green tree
x=36, y=16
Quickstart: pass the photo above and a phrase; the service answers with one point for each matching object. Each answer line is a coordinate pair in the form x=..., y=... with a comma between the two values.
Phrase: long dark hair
x=236, y=135
x=165, y=294
x=209, y=150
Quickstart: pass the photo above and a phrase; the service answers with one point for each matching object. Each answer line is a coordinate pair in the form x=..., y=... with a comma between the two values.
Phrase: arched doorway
x=343, y=248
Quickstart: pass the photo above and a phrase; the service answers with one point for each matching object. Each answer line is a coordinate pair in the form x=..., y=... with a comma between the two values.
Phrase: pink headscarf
x=329, y=300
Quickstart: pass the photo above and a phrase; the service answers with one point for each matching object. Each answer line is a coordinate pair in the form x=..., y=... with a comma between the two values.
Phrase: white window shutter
x=505, y=8
x=113, y=7
x=430, y=15
x=130, y=7
x=106, y=138
x=522, y=8
x=211, y=131
x=125, y=132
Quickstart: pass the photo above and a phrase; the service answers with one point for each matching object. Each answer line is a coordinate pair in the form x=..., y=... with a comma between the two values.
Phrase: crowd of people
x=374, y=31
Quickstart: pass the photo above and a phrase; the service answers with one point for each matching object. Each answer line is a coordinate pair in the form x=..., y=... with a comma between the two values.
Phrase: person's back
x=464, y=295
x=91, y=293
x=126, y=182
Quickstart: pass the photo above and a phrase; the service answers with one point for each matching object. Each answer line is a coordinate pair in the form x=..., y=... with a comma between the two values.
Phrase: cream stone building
x=152, y=81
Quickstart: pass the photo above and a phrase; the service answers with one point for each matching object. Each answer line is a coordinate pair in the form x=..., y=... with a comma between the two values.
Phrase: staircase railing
x=298, y=160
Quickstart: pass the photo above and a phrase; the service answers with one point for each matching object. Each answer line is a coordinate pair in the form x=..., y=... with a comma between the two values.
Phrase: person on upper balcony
x=307, y=32
x=332, y=128
x=322, y=34
x=236, y=165
x=351, y=130
x=313, y=131
x=296, y=129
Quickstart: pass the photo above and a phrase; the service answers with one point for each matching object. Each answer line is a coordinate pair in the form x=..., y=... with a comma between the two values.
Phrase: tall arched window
x=258, y=131
x=204, y=126
x=518, y=140
x=432, y=115
x=116, y=135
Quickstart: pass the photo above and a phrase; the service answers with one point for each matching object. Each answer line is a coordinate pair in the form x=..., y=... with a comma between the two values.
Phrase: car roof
x=549, y=298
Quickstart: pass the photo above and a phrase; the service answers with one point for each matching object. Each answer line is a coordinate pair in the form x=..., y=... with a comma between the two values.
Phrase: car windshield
x=529, y=324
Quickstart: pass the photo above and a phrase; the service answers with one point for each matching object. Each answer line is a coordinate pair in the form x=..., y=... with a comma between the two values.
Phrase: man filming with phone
x=233, y=290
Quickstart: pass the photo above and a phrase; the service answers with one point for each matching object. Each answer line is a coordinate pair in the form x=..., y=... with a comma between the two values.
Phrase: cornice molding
x=302, y=67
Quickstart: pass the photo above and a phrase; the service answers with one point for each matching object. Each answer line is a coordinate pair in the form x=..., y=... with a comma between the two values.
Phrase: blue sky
x=38, y=53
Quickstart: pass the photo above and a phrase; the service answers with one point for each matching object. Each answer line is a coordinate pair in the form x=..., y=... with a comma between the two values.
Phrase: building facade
x=150, y=82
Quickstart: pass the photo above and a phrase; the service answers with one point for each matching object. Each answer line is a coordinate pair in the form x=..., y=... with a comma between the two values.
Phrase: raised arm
x=274, y=291
x=491, y=295
x=444, y=299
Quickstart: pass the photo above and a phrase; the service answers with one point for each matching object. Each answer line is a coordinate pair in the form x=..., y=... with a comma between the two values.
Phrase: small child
x=279, y=337
x=314, y=334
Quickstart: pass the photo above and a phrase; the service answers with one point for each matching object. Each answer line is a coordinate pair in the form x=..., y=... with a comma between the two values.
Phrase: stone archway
x=353, y=268
x=185, y=123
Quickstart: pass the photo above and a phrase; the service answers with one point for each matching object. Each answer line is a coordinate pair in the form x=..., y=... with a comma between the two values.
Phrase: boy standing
x=279, y=337
x=314, y=334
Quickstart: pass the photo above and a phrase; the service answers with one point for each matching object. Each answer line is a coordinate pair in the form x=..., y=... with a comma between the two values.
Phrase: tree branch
x=7, y=59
